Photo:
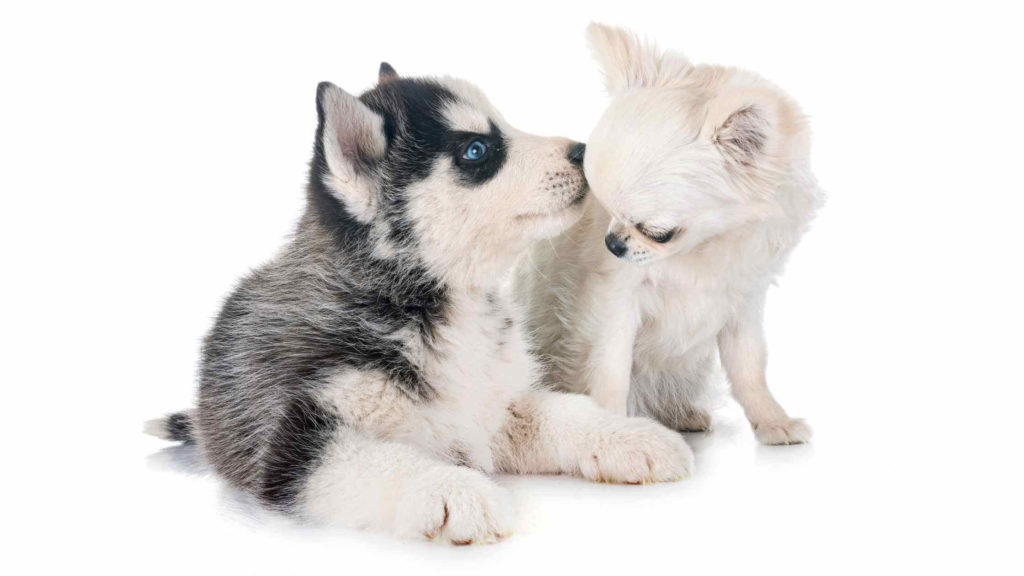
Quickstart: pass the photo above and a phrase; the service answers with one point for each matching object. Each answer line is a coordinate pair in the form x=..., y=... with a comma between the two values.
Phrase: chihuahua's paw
x=455, y=505
x=791, y=431
x=637, y=451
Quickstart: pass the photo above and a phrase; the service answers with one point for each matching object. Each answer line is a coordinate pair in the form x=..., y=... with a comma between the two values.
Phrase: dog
x=376, y=370
x=703, y=188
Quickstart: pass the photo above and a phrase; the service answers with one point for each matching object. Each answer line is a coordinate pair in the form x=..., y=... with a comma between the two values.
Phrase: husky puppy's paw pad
x=639, y=451
x=456, y=506
x=791, y=431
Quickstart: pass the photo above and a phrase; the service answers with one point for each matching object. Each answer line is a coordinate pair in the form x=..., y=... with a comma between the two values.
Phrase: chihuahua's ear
x=744, y=129
x=352, y=140
x=629, y=62
x=386, y=74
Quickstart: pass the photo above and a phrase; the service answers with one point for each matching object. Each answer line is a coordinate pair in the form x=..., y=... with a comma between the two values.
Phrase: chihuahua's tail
x=176, y=427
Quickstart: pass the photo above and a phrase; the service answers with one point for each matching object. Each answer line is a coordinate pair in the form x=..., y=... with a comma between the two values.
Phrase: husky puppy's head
x=427, y=173
x=685, y=153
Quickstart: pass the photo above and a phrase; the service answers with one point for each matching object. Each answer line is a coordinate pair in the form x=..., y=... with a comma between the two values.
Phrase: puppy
x=376, y=370
x=704, y=189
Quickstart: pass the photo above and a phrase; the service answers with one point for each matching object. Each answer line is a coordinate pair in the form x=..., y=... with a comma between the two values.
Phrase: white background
x=150, y=156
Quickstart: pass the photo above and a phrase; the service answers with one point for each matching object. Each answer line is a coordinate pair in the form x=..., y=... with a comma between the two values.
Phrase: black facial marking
x=415, y=128
x=417, y=136
x=475, y=173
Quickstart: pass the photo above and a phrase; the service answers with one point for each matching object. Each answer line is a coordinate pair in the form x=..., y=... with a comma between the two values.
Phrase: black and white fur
x=374, y=371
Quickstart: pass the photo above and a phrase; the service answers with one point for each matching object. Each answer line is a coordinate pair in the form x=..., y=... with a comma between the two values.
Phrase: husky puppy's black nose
x=576, y=154
x=615, y=246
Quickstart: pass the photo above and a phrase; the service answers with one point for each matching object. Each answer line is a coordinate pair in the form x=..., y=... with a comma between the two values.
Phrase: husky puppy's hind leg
x=367, y=482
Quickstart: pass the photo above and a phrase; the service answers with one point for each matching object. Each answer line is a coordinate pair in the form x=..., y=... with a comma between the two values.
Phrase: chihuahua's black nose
x=615, y=246
x=576, y=154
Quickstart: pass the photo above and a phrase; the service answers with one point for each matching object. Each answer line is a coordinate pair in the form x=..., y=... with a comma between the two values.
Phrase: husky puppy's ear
x=386, y=73
x=629, y=62
x=353, y=141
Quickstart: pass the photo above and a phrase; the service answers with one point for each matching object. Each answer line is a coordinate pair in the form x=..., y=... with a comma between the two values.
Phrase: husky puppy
x=376, y=369
x=704, y=188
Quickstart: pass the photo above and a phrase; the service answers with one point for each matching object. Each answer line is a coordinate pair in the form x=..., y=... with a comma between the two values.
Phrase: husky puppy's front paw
x=637, y=451
x=791, y=431
x=455, y=505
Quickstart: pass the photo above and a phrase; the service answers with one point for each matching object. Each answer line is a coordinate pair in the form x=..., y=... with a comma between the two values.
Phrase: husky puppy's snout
x=568, y=183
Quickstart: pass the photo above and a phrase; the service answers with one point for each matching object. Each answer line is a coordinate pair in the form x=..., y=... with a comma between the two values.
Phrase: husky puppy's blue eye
x=475, y=151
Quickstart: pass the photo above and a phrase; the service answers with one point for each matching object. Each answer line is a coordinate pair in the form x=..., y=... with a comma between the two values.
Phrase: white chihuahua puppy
x=703, y=187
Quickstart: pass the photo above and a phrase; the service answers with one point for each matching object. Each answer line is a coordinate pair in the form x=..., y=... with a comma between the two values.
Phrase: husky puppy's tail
x=176, y=427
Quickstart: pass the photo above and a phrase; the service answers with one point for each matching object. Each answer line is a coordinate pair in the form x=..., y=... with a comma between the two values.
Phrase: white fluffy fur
x=718, y=156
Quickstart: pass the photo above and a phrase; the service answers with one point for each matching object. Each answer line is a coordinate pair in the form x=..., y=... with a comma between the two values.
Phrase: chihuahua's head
x=684, y=153
x=426, y=172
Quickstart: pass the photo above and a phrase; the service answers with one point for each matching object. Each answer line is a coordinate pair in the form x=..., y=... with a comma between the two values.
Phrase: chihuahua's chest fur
x=581, y=298
x=678, y=310
x=684, y=302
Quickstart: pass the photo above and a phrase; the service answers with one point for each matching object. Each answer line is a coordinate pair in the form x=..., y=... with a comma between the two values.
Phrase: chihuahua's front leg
x=559, y=433
x=744, y=356
x=608, y=366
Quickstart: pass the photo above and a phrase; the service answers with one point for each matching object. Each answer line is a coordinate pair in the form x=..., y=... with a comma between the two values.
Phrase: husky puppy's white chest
x=480, y=363
x=476, y=361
